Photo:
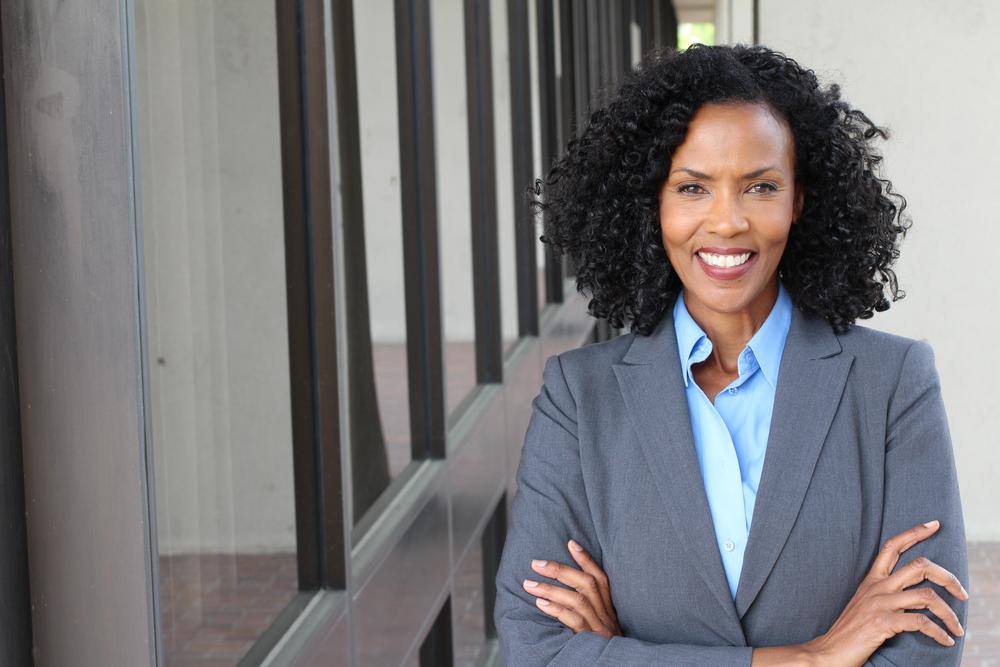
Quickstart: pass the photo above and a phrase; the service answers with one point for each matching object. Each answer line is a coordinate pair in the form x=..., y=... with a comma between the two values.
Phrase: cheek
x=675, y=230
x=776, y=234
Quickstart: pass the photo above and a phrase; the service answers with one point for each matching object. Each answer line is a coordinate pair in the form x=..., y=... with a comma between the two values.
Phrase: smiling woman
x=736, y=480
x=703, y=209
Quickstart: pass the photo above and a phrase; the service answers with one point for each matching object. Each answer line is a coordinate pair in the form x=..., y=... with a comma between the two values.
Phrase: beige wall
x=928, y=71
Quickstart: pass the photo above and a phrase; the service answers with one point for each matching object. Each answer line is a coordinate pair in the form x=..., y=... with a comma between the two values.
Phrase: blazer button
x=728, y=545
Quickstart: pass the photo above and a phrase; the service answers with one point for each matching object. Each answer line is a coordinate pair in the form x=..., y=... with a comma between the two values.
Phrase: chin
x=732, y=298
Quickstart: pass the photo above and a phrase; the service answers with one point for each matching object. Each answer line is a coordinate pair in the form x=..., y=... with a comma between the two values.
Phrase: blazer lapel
x=811, y=379
x=652, y=387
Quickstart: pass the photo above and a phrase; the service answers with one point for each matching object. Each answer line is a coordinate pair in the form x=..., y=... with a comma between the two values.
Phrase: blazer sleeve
x=921, y=484
x=550, y=507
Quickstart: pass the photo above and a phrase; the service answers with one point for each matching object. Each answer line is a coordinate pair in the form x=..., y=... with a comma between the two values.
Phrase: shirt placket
x=726, y=492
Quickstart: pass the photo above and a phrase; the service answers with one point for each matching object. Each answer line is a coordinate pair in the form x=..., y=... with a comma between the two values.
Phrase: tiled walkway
x=982, y=637
x=214, y=607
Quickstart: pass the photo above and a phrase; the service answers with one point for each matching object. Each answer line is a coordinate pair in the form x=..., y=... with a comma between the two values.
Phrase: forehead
x=722, y=134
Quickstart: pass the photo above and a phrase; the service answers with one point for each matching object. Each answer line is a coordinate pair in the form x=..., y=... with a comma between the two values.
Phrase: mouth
x=728, y=259
x=728, y=265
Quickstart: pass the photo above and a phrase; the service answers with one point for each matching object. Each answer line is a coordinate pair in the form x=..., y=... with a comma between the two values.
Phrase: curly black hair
x=600, y=199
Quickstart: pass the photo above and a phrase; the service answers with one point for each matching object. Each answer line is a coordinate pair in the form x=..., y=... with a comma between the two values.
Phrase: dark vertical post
x=420, y=231
x=627, y=14
x=309, y=275
x=605, y=52
x=547, y=90
x=494, y=535
x=567, y=81
x=368, y=455
x=436, y=649
x=581, y=62
x=593, y=54
x=664, y=23
x=756, y=21
x=644, y=17
x=522, y=157
x=482, y=176
x=15, y=602
x=585, y=69
x=547, y=83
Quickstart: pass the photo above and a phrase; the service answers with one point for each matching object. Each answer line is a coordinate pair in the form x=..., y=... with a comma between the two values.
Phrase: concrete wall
x=928, y=71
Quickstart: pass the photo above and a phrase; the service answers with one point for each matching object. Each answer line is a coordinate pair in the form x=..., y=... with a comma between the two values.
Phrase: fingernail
x=951, y=642
x=931, y=524
x=961, y=631
x=574, y=546
x=528, y=583
x=965, y=593
x=539, y=563
x=545, y=603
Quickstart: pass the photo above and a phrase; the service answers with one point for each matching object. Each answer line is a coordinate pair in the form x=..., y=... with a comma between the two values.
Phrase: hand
x=875, y=613
x=589, y=607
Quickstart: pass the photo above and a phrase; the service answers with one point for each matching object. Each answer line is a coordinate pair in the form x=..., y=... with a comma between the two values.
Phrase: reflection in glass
x=451, y=118
x=536, y=142
x=469, y=617
x=379, y=387
x=507, y=213
x=214, y=273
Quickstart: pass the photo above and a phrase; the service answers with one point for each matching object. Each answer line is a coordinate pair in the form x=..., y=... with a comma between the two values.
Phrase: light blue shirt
x=730, y=435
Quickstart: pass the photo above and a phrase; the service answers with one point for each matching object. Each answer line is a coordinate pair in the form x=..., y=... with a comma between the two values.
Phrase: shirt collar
x=763, y=350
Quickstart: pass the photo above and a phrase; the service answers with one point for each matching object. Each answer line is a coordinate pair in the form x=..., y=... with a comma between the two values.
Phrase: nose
x=727, y=218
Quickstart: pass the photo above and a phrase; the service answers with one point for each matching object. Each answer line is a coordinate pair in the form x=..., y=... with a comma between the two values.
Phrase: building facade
x=274, y=308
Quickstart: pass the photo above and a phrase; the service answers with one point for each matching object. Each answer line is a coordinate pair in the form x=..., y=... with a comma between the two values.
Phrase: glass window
x=451, y=139
x=380, y=400
x=536, y=141
x=217, y=338
x=504, y=171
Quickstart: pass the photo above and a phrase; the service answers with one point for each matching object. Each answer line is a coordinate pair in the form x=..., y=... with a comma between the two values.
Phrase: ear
x=800, y=201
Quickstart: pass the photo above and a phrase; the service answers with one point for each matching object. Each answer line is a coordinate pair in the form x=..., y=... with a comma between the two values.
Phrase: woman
x=745, y=477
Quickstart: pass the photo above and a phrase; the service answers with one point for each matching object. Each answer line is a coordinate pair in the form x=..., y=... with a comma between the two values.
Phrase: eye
x=770, y=188
x=684, y=189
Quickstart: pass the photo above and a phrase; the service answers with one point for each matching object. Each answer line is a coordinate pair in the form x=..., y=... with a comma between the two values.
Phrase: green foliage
x=694, y=33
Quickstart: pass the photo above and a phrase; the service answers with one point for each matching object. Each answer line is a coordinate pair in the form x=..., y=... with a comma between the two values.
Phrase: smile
x=726, y=267
x=725, y=261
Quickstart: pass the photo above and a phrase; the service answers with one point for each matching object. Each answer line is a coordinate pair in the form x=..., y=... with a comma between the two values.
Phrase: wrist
x=811, y=652
x=806, y=654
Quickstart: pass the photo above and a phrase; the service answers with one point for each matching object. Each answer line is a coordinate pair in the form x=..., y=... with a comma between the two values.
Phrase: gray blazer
x=859, y=449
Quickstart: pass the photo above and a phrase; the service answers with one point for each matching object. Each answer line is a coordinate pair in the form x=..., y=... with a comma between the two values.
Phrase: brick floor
x=982, y=636
x=215, y=606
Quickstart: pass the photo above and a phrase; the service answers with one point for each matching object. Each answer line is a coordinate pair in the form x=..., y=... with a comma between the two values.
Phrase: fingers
x=583, y=582
x=927, y=598
x=568, y=617
x=921, y=568
x=894, y=546
x=591, y=567
x=917, y=622
x=565, y=602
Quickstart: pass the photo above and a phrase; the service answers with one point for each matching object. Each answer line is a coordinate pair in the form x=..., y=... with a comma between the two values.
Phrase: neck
x=731, y=331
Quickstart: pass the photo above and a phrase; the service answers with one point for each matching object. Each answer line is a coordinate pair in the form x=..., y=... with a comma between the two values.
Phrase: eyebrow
x=698, y=174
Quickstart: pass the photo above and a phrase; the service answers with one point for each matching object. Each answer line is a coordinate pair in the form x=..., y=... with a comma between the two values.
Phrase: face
x=730, y=199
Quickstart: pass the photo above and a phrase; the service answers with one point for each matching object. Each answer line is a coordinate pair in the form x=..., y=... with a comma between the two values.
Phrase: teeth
x=724, y=260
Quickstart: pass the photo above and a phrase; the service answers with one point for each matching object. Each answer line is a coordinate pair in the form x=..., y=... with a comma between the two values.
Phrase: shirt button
x=728, y=545
x=732, y=390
